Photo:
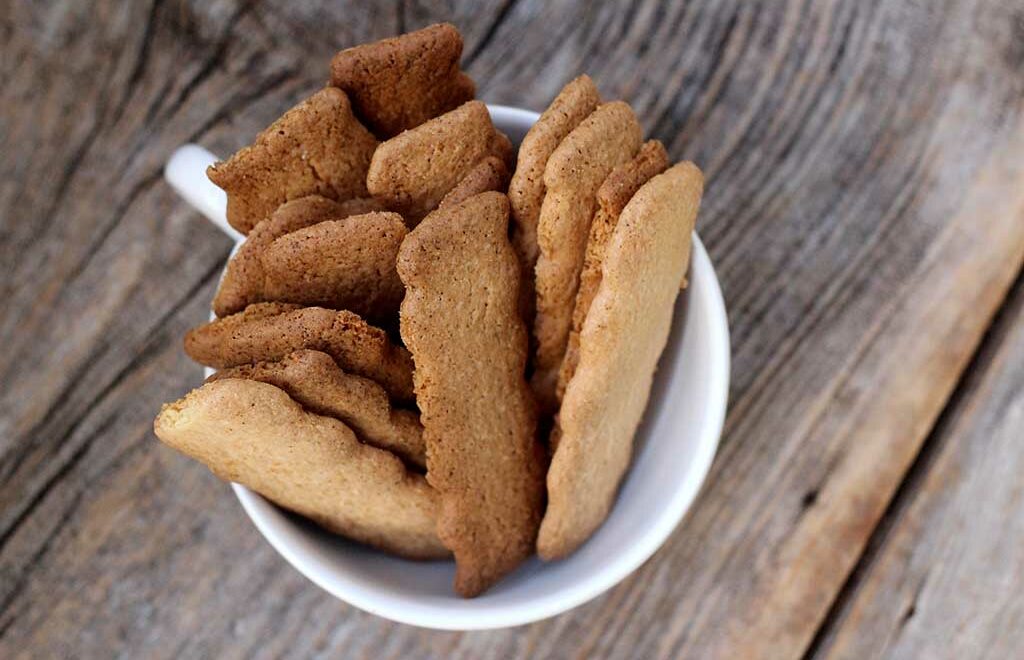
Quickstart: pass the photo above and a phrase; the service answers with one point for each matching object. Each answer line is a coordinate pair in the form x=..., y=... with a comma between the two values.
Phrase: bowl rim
x=281, y=533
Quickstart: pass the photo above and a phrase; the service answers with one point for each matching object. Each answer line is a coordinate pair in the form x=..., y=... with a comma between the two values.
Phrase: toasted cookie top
x=317, y=147
x=399, y=83
x=270, y=331
x=412, y=172
x=243, y=280
x=340, y=264
x=461, y=322
x=487, y=175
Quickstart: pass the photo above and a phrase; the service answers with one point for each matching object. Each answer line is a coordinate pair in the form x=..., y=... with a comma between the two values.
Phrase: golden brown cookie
x=317, y=147
x=489, y=174
x=612, y=197
x=609, y=137
x=252, y=433
x=270, y=331
x=313, y=379
x=340, y=264
x=412, y=172
x=526, y=190
x=623, y=336
x=242, y=283
x=399, y=83
x=460, y=321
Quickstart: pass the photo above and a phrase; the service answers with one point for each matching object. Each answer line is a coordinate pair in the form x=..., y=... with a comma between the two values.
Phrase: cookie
x=252, y=433
x=399, y=83
x=242, y=283
x=612, y=197
x=339, y=264
x=609, y=137
x=359, y=206
x=412, y=172
x=623, y=335
x=317, y=147
x=487, y=175
x=526, y=189
x=460, y=321
x=270, y=331
x=313, y=379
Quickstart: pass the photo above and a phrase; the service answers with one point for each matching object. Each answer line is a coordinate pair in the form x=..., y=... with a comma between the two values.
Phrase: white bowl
x=673, y=452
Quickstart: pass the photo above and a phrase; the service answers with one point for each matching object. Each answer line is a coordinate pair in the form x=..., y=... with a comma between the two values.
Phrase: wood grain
x=944, y=580
x=864, y=210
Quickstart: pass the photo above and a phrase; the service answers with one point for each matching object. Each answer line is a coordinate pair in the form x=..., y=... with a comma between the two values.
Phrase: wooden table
x=865, y=213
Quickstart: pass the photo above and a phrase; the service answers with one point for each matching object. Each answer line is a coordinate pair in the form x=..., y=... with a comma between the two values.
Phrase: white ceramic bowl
x=674, y=449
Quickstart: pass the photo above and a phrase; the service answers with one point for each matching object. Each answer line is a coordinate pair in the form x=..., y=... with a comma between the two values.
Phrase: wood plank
x=945, y=579
x=864, y=211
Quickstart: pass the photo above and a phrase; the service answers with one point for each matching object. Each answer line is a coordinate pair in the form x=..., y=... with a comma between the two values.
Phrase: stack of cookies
x=428, y=343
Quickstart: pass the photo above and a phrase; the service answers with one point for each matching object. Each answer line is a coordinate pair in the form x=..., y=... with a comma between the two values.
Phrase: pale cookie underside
x=252, y=433
x=314, y=380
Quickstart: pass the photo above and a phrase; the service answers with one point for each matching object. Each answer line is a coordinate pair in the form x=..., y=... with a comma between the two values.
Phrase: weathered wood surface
x=943, y=579
x=865, y=212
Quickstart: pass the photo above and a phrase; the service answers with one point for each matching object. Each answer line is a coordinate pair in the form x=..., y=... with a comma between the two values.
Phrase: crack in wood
x=105, y=231
x=665, y=122
x=6, y=606
x=911, y=608
x=26, y=570
x=230, y=108
x=216, y=59
x=911, y=482
x=489, y=34
x=140, y=62
x=157, y=342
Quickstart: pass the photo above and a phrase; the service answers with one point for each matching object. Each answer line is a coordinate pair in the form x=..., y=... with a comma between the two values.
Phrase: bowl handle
x=186, y=172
